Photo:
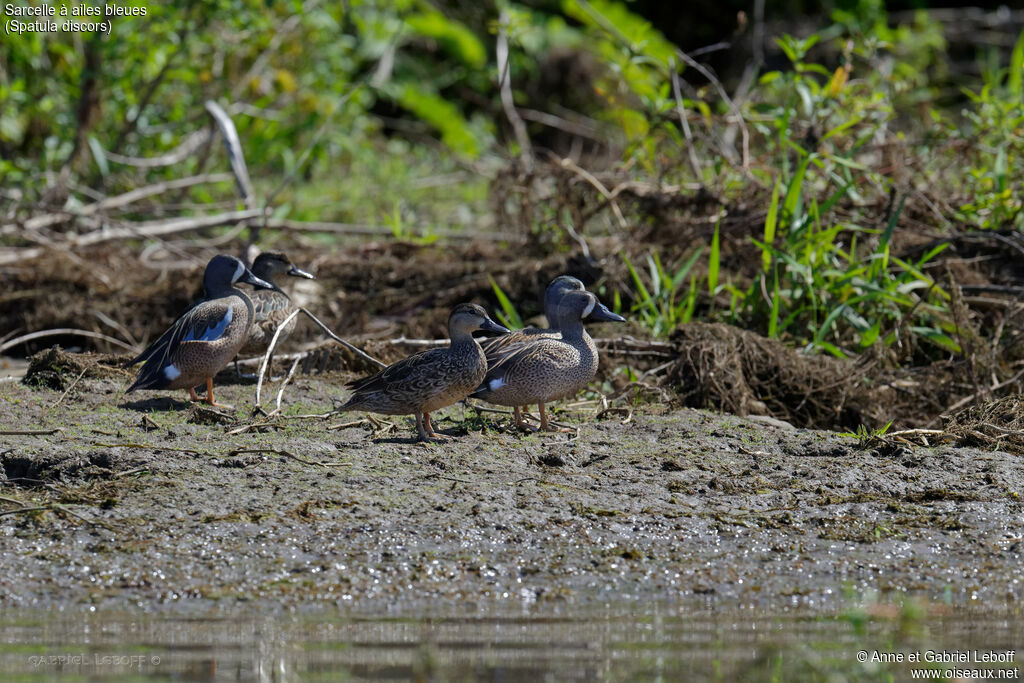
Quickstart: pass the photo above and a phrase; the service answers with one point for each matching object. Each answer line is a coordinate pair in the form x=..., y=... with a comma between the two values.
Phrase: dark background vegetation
x=794, y=196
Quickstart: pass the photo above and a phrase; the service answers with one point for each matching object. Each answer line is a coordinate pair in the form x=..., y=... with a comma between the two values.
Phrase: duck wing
x=494, y=347
x=267, y=302
x=207, y=321
x=506, y=365
x=419, y=367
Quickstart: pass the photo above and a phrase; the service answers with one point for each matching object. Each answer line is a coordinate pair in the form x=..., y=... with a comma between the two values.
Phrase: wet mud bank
x=144, y=502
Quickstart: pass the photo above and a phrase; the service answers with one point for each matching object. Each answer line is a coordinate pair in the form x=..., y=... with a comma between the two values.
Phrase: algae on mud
x=141, y=504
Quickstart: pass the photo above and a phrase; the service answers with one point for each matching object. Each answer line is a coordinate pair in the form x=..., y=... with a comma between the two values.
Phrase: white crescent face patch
x=590, y=307
x=238, y=273
x=212, y=333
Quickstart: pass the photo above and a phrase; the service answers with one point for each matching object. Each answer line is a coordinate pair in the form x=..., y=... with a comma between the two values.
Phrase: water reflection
x=637, y=642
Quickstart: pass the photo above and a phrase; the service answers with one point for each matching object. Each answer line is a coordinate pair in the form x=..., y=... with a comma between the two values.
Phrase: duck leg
x=192, y=395
x=546, y=427
x=419, y=427
x=430, y=429
x=243, y=375
x=520, y=423
x=209, y=395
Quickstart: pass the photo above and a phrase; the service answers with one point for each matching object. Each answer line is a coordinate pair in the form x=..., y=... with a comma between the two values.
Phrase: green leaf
x=713, y=263
x=453, y=36
x=773, y=320
x=1015, y=78
x=509, y=317
x=770, y=222
x=870, y=336
x=937, y=338
x=99, y=155
x=442, y=115
x=793, y=192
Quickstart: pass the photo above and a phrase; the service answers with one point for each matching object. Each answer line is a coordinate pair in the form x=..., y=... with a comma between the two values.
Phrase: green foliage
x=996, y=132
x=388, y=97
x=508, y=316
x=664, y=299
x=442, y=115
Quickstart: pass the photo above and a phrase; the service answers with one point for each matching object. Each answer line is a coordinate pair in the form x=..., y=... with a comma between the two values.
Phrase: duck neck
x=571, y=329
x=235, y=291
x=461, y=339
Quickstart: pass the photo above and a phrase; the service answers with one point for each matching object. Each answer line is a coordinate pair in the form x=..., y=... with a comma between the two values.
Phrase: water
x=653, y=642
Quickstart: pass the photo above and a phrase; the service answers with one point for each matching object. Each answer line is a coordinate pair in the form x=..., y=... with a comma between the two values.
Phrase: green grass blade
x=770, y=223
x=773, y=320
x=508, y=316
x=1015, y=79
x=794, y=192
x=713, y=263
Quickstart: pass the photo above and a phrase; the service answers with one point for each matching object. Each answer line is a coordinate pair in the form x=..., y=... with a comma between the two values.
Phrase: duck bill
x=601, y=313
x=250, y=279
x=298, y=272
x=489, y=325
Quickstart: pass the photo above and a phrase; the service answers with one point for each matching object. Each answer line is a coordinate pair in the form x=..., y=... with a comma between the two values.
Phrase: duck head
x=270, y=264
x=468, y=318
x=223, y=272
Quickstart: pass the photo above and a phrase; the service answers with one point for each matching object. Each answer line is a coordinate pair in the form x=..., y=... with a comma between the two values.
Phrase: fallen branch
x=368, y=229
x=62, y=331
x=30, y=432
x=189, y=145
x=501, y=50
x=288, y=378
x=68, y=390
x=165, y=227
x=135, y=195
x=270, y=352
x=279, y=451
x=359, y=352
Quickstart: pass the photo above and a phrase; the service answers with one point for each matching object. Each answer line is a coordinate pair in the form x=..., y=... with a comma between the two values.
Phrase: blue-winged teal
x=205, y=339
x=552, y=296
x=544, y=369
x=430, y=380
x=271, y=307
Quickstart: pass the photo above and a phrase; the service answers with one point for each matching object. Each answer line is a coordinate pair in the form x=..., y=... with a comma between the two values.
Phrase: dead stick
x=70, y=387
x=270, y=351
x=21, y=510
x=148, y=445
x=151, y=190
x=278, y=451
x=359, y=352
x=64, y=330
x=30, y=432
x=372, y=229
x=288, y=378
x=166, y=227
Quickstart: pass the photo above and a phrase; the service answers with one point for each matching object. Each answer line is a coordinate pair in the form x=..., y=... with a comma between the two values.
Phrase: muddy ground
x=142, y=501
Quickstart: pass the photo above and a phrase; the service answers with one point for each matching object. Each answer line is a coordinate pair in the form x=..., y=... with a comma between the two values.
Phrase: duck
x=206, y=337
x=271, y=307
x=547, y=368
x=552, y=296
x=430, y=380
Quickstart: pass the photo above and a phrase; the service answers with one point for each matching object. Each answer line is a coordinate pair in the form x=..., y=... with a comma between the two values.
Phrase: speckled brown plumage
x=545, y=369
x=430, y=380
x=496, y=346
x=271, y=307
x=205, y=339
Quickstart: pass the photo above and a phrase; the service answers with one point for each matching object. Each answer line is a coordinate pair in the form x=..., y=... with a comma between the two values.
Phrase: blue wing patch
x=212, y=333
